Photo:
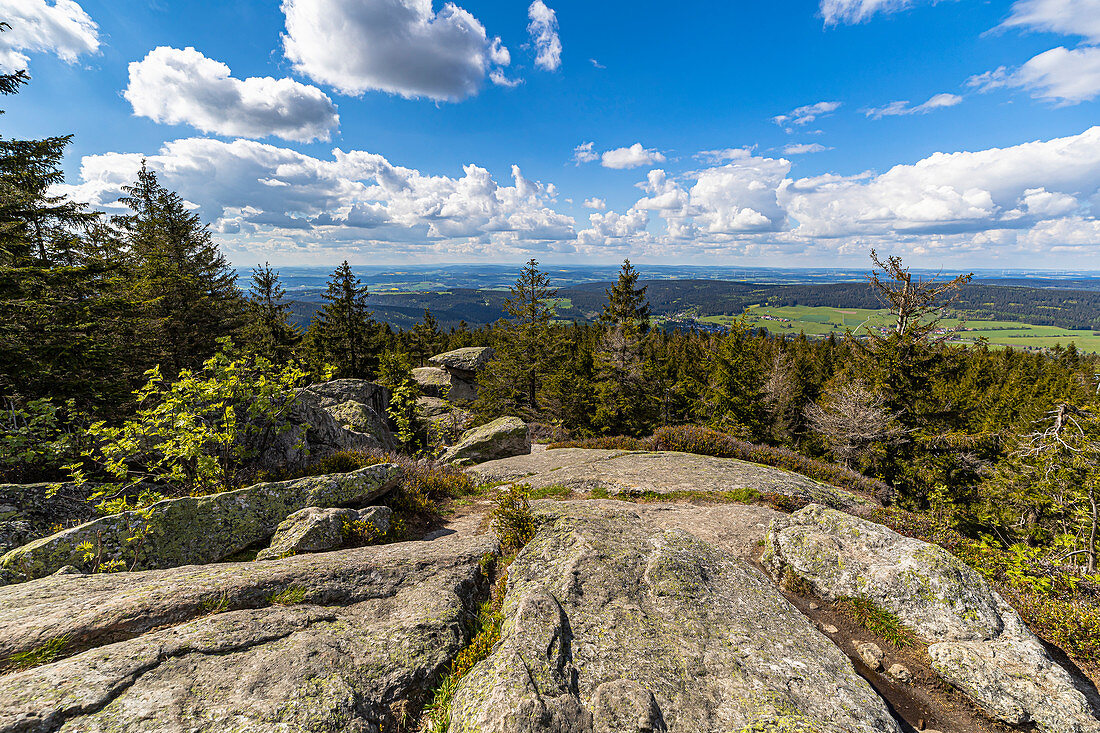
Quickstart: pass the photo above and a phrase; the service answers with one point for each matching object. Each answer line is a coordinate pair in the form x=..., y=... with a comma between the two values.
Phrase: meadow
x=819, y=322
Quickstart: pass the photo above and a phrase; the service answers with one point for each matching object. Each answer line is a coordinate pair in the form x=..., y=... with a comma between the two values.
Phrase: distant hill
x=1042, y=305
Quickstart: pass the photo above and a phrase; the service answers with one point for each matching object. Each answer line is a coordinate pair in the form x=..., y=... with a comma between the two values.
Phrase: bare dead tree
x=853, y=421
x=1064, y=433
x=914, y=302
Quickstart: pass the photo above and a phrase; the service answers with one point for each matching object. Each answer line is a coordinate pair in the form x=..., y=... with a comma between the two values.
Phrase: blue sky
x=955, y=133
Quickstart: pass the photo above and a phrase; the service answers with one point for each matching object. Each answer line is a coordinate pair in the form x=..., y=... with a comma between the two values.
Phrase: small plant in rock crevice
x=877, y=620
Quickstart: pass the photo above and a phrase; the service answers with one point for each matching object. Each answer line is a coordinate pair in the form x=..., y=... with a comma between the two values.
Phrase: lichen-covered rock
x=467, y=362
x=432, y=406
x=317, y=643
x=436, y=382
x=977, y=641
x=341, y=415
x=317, y=529
x=29, y=511
x=614, y=624
x=503, y=437
x=664, y=472
x=197, y=529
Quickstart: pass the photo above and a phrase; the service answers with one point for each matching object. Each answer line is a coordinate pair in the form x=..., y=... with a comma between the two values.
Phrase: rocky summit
x=657, y=593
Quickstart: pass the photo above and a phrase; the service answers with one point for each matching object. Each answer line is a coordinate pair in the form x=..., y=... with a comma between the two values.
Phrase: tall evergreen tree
x=624, y=404
x=344, y=330
x=425, y=338
x=60, y=313
x=528, y=349
x=268, y=330
x=190, y=289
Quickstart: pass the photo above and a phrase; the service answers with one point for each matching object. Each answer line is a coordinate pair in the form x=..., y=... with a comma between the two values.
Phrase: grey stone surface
x=341, y=415
x=617, y=471
x=201, y=529
x=440, y=383
x=871, y=654
x=977, y=641
x=362, y=632
x=614, y=623
x=317, y=529
x=505, y=436
x=465, y=362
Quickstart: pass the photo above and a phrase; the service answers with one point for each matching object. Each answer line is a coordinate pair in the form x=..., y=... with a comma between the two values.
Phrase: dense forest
x=131, y=356
x=1072, y=309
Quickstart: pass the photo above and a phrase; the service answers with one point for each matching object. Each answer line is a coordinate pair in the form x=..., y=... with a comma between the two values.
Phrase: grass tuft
x=44, y=654
x=875, y=619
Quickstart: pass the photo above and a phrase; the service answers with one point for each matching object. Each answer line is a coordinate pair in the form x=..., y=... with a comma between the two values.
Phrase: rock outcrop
x=501, y=438
x=615, y=624
x=341, y=415
x=342, y=641
x=976, y=641
x=440, y=383
x=464, y=363
x=665, y=472
x=28, y=511
x=453, y=375
x=315, y=529
x=202, y=529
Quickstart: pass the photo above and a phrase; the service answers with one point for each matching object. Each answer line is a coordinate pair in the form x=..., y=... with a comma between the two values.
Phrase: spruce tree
x=425, y=338
x=191, y=291
x=269, y=331
x=343, y=329
x=527, y=352
x=61, y=312
x=624, y=403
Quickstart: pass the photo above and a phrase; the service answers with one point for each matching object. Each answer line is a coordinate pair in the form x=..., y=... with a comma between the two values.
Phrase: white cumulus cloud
x=595, y=203
x=634, y=156
x=398, y=46
x=62, y=28
x=1068, y=17
x=543, y=29
x=894, y=109
x=1059, y=75
x=177, y=86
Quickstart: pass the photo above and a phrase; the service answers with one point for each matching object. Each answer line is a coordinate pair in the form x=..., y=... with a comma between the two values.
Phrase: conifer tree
x=268, y=330
x=344, y=329
x=425, y=338
x=191, y=291
x=623, y=405
x=61, y=314
x=528, y=350
x=734, y=397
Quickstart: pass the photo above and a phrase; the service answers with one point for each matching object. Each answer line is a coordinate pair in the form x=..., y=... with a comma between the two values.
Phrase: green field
x=819, y=322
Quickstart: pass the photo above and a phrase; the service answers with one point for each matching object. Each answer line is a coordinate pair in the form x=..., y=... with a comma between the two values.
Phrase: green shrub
x=511, y=518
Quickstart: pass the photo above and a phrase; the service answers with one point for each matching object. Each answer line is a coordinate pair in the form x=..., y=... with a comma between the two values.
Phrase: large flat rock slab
x=665, y=472
x=329, y=642
x=976, y=640
x=615, y=623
